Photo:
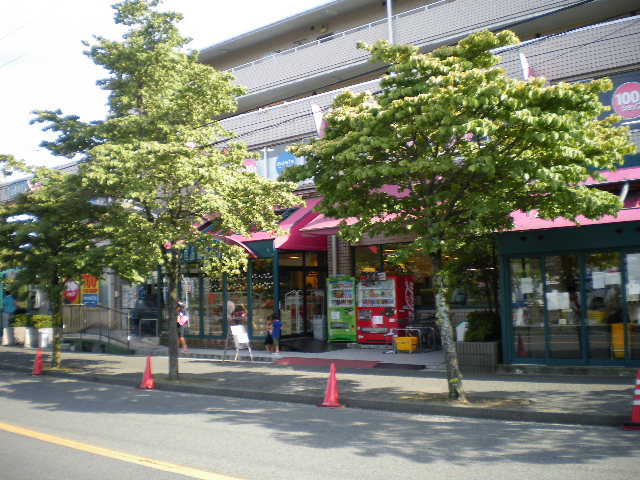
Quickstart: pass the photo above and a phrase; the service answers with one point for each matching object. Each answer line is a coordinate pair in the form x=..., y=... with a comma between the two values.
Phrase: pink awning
x=292, y=238
x=527, y=221
x=323, y=226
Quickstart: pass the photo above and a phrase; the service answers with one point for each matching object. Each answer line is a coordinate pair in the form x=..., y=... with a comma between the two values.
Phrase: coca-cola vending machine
x=384, y=304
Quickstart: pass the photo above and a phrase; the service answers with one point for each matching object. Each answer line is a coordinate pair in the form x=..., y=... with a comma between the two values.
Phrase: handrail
x=97, y=320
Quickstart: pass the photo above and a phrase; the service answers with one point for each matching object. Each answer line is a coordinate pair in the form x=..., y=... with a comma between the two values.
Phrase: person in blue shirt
x=276, y=332
x=8, y=308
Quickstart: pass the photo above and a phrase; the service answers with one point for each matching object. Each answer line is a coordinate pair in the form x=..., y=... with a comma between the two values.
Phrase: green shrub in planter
x=42, y=321
x=22, y=320
x=482, y=326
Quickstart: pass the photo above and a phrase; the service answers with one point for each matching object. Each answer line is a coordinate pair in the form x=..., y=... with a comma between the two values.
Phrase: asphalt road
x=144, y=431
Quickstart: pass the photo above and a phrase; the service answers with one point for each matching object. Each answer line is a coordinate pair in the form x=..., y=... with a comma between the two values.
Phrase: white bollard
x=7, y=336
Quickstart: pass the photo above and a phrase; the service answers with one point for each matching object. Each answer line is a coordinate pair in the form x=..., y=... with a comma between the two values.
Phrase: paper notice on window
x=378, y=320
x=597, y=279
x=562, y=301
x=633, y=289
x=633, y=266
x=612, y=278
x=526, y=285
x=335, y=315
x=552, y=300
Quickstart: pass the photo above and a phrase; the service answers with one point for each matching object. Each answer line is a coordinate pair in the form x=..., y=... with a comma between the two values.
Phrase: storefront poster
x=90, y=289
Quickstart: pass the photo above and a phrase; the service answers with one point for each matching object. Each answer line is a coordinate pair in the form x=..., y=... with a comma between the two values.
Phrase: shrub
x=22, y=320
x=42, y=321
x=482, y=326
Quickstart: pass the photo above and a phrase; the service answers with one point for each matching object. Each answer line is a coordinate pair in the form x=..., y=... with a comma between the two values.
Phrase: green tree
x=466, y=146
x=50, y=234
x=157, y=158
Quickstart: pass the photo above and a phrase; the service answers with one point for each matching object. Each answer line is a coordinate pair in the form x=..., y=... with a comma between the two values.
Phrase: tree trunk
x=173, y=279
x=454, y=376
x=56, y=346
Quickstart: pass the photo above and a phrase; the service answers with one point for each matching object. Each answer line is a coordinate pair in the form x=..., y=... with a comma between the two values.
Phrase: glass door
x=604, y=305
x=564, y=315
x=527, y=308
x=633, y=305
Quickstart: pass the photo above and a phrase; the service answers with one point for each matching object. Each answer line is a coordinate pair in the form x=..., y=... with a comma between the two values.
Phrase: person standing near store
x=8, y=309
x=182, y=319
x=268, y=340
x=276, y=332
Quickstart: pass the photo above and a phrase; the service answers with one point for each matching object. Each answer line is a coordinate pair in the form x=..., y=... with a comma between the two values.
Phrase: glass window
x=633, y=305
x=263, y=303
x=290, y=259
x=237, y=301
x=604, y=304
x=213, y=316
x=366, y=259
x=562, y=301
x=315, y=259
x=292, y=313
x=527, y=305
x=190, y=295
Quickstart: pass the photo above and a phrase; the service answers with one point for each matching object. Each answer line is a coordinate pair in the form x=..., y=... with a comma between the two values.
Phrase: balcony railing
x=334, y=36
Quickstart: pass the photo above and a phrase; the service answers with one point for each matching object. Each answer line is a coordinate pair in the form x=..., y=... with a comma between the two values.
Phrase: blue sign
x=284, y=161
x=90, y=299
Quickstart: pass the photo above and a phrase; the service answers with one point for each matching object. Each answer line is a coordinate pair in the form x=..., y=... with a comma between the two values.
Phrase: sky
x=42, y=65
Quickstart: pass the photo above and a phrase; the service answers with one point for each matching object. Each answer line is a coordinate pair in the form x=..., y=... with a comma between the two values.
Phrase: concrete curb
x=397, y=406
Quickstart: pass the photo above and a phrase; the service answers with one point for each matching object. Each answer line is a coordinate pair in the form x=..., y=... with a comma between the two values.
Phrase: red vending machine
x=383, y=305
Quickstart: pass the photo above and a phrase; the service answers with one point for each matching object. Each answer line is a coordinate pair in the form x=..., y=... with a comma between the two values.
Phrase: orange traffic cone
x=634, y=424
x=147, y=378
x=331, y=396
x=37, y=365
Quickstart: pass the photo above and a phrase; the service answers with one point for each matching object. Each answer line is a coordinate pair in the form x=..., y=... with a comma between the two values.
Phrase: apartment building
x=305, y=60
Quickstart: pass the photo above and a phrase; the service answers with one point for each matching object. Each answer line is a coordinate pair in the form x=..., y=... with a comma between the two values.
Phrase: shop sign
x=90, y=289
x=71, y=292
x=626, y=100
x=250, y=165
x=284, y=161
x=90, y=299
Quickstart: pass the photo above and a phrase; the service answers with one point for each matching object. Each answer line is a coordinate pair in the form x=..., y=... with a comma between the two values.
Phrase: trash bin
x=43, y=339
x=319, y=328
x=30, y=337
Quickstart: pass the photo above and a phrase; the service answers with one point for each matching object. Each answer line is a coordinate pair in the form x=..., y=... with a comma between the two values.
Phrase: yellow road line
x=125, y=457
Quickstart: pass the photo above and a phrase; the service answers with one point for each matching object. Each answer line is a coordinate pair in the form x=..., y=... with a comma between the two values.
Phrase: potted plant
x=481, y=346
x=23, y=330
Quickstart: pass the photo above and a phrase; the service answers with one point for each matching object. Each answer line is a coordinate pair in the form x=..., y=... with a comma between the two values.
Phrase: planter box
x=27, y=336
x=478, y=356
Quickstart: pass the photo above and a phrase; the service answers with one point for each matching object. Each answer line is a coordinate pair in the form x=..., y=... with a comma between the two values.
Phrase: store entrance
x=302, y=278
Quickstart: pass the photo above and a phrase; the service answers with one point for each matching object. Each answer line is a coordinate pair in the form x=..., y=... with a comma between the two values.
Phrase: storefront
x=286, y=274
x=571, y=296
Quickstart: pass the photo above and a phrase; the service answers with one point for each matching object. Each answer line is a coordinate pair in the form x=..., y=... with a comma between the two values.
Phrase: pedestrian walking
x=182, y=319
x=276, y=332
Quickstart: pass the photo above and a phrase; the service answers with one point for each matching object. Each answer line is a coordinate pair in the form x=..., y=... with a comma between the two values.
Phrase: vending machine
x=341, y=307
x=383, y=305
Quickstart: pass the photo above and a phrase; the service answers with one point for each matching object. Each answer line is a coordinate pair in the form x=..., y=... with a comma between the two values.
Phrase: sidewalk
x=398, y=386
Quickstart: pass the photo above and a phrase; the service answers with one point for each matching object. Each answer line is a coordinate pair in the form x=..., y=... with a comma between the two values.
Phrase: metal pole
x=390, y=20
x=334, y=255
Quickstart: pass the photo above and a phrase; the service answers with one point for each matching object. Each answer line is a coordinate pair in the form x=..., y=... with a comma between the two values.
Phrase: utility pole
x=390, y=20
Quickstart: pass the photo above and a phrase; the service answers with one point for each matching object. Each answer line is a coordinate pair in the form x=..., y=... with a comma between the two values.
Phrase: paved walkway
x=570, y=399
